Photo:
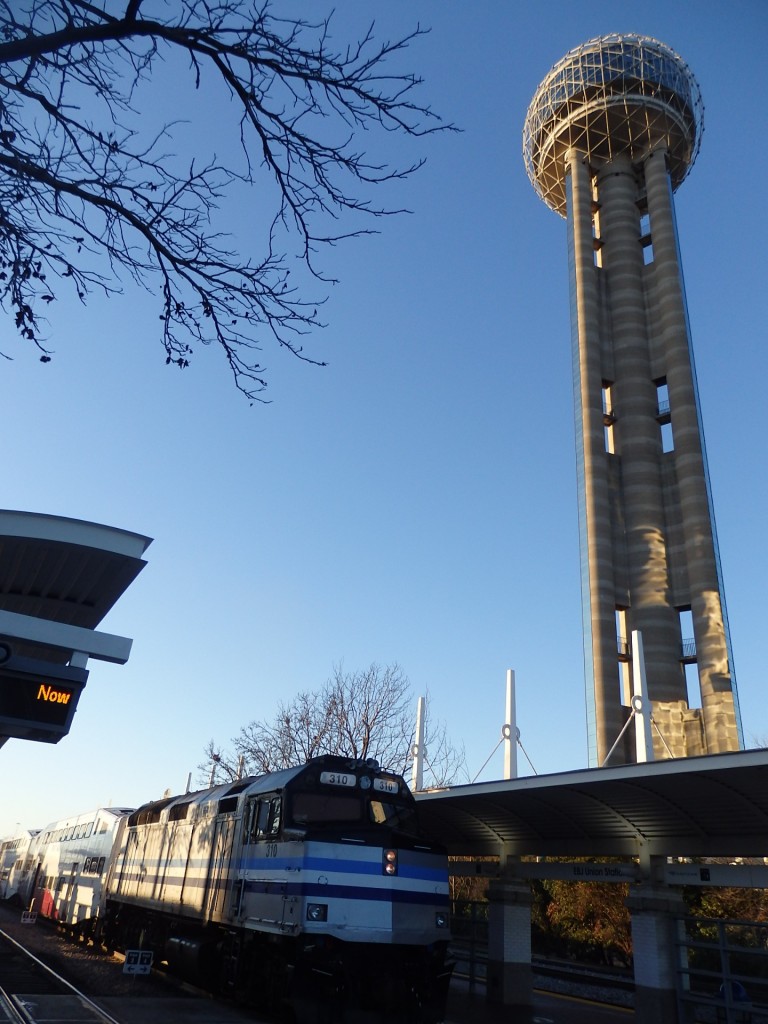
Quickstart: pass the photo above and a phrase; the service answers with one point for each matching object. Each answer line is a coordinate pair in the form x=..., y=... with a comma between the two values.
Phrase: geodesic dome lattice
x=613, y=95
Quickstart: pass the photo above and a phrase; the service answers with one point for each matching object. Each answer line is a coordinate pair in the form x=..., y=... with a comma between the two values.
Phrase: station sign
x=138, y=961
x=38, y=698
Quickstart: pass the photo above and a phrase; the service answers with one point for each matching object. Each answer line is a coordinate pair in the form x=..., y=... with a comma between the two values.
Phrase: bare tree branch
x=90, y=196
x=363, y=714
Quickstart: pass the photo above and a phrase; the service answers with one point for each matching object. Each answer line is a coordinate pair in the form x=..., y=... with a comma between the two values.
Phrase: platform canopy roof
x=715, y=806
x=64, y=570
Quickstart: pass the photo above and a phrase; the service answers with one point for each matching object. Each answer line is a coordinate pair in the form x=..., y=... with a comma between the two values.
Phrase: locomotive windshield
x=319, y=808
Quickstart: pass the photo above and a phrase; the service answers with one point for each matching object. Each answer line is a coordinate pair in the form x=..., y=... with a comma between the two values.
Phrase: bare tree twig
x=90, y=197
x=363, y=714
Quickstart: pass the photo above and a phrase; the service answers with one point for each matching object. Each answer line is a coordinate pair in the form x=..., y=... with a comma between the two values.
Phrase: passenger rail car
x=313, y=879
x=13, y=855
x=67, y=865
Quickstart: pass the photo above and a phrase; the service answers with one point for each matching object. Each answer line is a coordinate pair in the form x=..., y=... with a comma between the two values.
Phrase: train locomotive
x=305, y=888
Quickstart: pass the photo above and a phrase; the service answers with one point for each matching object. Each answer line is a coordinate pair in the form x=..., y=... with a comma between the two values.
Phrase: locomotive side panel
x=145, y=870
x=151, y=845
x=173, y=872
x=177, y=857
x=217, y=876
x=193, y=875
x=129, y=877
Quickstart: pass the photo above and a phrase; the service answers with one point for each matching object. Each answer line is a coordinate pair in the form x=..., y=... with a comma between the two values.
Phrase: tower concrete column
x=704, y=593
x=640, y=546
x=604, y=716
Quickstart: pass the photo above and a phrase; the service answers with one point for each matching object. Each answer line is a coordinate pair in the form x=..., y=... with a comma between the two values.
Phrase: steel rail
x=21, y=1014
x=11, y=1008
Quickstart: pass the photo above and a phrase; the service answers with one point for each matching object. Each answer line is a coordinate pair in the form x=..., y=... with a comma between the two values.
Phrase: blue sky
x=414, y=501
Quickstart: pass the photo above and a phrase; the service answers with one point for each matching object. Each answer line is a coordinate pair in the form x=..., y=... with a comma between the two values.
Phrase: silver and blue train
x=309, y=889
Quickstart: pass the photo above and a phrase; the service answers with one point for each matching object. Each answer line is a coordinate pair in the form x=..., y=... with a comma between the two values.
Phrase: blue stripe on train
x=333, y=864
x=346, y=892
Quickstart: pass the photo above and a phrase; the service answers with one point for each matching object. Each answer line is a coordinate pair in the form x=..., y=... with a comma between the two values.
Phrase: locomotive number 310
x=337, y=779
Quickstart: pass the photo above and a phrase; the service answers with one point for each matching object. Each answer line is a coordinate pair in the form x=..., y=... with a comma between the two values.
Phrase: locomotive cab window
x=397, y=815
x=320, y=807
x=263, y=819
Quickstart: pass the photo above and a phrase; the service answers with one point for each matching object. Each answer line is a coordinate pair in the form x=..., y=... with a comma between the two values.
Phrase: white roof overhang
x=705, y=806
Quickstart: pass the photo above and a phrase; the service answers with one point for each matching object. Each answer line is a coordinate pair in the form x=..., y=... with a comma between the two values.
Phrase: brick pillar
x=510, y=979
x=654, y=910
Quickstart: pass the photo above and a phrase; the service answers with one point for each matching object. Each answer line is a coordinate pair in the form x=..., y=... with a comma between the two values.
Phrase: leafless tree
x=362, y=714
x=92, y=195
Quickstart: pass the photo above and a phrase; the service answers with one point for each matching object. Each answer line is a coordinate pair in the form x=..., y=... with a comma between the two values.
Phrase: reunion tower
x=610, y=134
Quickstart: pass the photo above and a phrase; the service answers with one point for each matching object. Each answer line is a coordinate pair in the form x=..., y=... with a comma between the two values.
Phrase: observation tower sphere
x=614, y=95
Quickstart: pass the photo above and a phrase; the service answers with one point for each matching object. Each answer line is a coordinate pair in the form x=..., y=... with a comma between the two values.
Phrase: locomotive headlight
x=441, y=919
x=317, y=911
x=390, y=862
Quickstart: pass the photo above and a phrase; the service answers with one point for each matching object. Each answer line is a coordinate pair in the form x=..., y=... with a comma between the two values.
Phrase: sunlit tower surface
x=610, y=134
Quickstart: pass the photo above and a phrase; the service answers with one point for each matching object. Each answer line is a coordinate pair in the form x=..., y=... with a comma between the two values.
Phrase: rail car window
x=93, y=865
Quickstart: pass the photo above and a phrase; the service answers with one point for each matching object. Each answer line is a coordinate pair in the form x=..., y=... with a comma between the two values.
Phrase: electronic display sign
x=38, y=698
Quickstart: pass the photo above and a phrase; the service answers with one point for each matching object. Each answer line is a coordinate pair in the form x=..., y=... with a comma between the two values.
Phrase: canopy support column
x=510, y=976
x=655, y=910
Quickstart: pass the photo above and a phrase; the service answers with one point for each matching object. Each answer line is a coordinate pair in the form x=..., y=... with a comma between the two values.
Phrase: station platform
x=548, y=1008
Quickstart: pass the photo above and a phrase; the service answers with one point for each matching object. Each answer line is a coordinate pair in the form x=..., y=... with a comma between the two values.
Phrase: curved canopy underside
x=64, y=570
x=704, y=806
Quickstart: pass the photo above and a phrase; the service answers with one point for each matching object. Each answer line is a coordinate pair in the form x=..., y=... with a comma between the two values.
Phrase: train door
x=28, y=896
x=67, y=902
x=218, y=874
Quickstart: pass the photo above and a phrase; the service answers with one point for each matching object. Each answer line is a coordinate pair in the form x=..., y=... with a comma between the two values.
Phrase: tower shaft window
x=646, y=239
x=663, y=415
x=623, y=651
x=608, y=418
x=597, y=242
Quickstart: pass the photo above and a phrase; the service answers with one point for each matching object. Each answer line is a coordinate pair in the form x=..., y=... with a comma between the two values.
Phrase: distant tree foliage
x=749, y=905
x=92, y=195
x=593, y=915
x=369, y=713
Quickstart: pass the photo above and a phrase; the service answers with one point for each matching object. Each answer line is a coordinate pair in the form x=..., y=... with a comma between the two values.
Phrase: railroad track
x=30, y=991
x=610, y=987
